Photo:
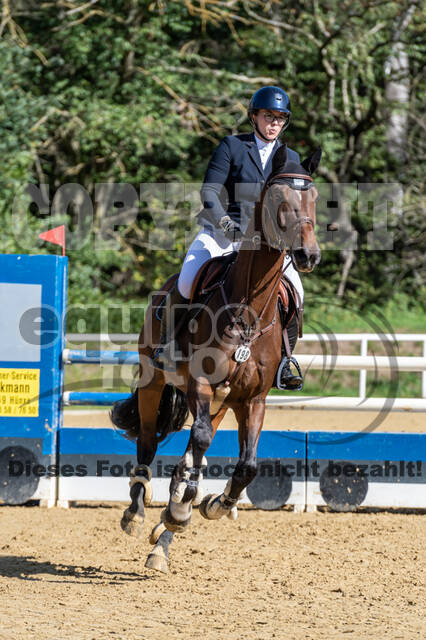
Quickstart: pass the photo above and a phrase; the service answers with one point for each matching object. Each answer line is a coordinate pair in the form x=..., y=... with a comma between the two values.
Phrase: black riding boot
x=174, y=309
x=287, y=379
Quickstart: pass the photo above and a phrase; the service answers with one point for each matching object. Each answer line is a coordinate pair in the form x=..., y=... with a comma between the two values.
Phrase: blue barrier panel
x=32, y=310
x=366, y=469
x=99, y=398
x=90, y=356
x=98, y=462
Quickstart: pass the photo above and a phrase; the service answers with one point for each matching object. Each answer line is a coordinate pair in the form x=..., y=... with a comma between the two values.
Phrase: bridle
x=301, y=176
x=297, y=182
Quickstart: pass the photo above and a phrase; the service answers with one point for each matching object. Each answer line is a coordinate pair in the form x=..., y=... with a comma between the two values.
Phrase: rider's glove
x=231, y=229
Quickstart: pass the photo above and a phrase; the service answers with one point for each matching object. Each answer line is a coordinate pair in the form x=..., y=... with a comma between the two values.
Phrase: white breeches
x=210, y=244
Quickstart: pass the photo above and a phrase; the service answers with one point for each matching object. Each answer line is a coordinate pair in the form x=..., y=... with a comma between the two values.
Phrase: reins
x=246, y=331
x=247, y=334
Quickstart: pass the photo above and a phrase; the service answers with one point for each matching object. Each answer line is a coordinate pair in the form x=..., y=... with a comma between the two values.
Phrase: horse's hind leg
x=188, y=473
x=140, y=476
x=160, y=537
x=184, y=485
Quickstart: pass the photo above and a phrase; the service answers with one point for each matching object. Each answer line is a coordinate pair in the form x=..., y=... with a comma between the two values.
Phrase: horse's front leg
x=250, y=416
x=185, y=487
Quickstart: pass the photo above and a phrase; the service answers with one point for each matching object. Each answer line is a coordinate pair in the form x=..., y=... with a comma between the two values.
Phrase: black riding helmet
x=272, y=98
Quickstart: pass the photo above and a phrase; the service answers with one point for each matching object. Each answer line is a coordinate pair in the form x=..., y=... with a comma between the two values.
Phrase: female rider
x=234, y=179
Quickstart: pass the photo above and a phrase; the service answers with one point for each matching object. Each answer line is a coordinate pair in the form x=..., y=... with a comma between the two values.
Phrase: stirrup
x=296, y=381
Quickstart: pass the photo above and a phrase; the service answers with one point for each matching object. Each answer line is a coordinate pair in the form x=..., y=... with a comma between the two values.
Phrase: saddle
x=208, y=278
x=210, y=274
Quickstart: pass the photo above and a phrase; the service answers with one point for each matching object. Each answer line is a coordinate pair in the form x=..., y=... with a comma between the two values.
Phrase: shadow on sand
x=29, y=568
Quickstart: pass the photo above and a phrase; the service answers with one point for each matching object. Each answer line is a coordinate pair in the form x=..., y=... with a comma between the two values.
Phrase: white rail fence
x=362, y=363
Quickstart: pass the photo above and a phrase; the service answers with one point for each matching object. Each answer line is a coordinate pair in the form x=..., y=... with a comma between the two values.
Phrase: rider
x=232, y=185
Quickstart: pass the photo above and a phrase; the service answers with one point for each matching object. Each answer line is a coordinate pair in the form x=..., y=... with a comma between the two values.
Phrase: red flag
x=56, y=236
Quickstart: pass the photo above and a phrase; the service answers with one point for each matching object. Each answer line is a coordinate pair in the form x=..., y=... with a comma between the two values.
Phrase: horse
x=230, y=351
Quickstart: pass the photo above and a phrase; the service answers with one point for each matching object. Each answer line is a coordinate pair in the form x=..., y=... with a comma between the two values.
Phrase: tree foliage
x=135, y=91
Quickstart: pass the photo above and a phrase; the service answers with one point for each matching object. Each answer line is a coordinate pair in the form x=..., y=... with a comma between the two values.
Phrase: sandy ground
x=293, y=419
x=74, y=575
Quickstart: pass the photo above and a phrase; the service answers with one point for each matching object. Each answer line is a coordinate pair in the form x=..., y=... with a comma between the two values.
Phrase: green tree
x=135, y=91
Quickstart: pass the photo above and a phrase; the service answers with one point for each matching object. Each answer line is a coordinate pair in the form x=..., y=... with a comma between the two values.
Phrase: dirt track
x=293, y=419
x=74, y=575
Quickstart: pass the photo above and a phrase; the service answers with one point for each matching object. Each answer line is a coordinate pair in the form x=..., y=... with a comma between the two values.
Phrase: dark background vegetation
x=129, y=91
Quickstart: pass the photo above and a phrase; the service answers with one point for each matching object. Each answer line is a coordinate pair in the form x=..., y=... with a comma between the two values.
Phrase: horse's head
x=288, y=208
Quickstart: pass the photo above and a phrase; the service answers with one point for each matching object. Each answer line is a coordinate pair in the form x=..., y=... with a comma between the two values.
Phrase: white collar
x=261, y=144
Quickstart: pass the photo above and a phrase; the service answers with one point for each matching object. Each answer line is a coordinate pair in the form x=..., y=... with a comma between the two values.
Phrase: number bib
x=242, y=354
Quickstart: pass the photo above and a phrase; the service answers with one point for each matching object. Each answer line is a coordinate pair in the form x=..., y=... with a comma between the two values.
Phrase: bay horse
x=232, y=346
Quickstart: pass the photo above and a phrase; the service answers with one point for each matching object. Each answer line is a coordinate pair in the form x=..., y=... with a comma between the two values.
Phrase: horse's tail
x=172, y=413
x=125, y=415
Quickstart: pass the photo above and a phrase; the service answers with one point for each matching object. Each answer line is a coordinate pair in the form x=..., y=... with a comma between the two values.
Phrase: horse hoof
x=156, y=562
x=212, y=508
x=205, y=503
x=156, y=533
x=132, y=524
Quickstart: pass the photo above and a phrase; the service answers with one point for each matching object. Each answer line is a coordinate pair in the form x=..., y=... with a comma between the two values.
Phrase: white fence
x=362, y=363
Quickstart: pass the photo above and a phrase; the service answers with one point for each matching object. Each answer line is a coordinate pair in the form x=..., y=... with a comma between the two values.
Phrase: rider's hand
x=231, y=229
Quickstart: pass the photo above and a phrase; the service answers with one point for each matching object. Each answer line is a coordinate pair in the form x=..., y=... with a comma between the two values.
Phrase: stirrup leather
x=161, y=358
